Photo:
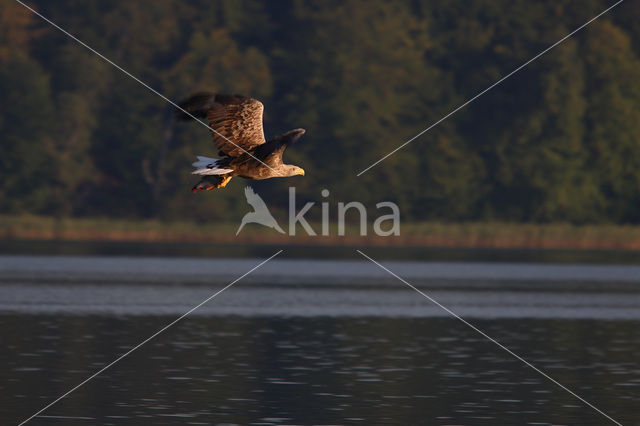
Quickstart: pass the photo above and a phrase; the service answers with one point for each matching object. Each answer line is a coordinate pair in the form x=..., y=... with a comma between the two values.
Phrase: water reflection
x=302, y=342
x=270, y=370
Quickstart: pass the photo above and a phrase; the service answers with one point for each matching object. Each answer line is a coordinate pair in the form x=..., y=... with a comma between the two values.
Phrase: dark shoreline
x=300, y=251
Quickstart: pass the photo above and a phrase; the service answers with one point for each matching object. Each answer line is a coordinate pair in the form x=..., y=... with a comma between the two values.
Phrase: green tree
x=556, y=142
x=25, y=118
x=612, y=120
x=26, y=112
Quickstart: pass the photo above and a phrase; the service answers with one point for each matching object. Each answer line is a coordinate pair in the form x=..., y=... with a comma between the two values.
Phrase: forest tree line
x=559, y=141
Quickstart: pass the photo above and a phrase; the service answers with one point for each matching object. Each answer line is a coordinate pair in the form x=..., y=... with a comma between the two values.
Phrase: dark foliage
x=559, y=141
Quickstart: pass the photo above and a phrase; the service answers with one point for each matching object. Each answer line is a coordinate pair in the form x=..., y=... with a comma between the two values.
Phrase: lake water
x=326, y=341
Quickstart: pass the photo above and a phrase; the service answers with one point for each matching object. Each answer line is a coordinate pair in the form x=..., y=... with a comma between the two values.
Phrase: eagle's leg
x=210, y=182
x=225, y=181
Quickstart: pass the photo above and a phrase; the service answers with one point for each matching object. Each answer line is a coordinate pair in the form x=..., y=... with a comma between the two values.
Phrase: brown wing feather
x=237, y=120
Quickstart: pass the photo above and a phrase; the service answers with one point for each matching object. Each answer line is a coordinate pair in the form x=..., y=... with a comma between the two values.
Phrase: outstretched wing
x=254, y=200
x=237, y=121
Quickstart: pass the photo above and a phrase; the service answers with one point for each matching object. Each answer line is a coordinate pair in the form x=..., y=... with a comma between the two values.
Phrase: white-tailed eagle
x=239, y=137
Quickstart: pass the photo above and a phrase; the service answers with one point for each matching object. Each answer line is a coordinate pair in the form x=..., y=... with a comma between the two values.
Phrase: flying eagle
x=237, y=133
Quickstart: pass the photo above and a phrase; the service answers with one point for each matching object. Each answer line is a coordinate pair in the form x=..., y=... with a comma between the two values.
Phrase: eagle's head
x=291, y=170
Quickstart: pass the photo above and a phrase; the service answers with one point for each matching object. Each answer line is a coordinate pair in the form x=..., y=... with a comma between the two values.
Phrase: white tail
x=208, y=166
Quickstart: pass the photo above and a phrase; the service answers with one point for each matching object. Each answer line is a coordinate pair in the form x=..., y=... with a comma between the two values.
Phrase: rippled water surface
x=210, y=370
x=312, y=347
